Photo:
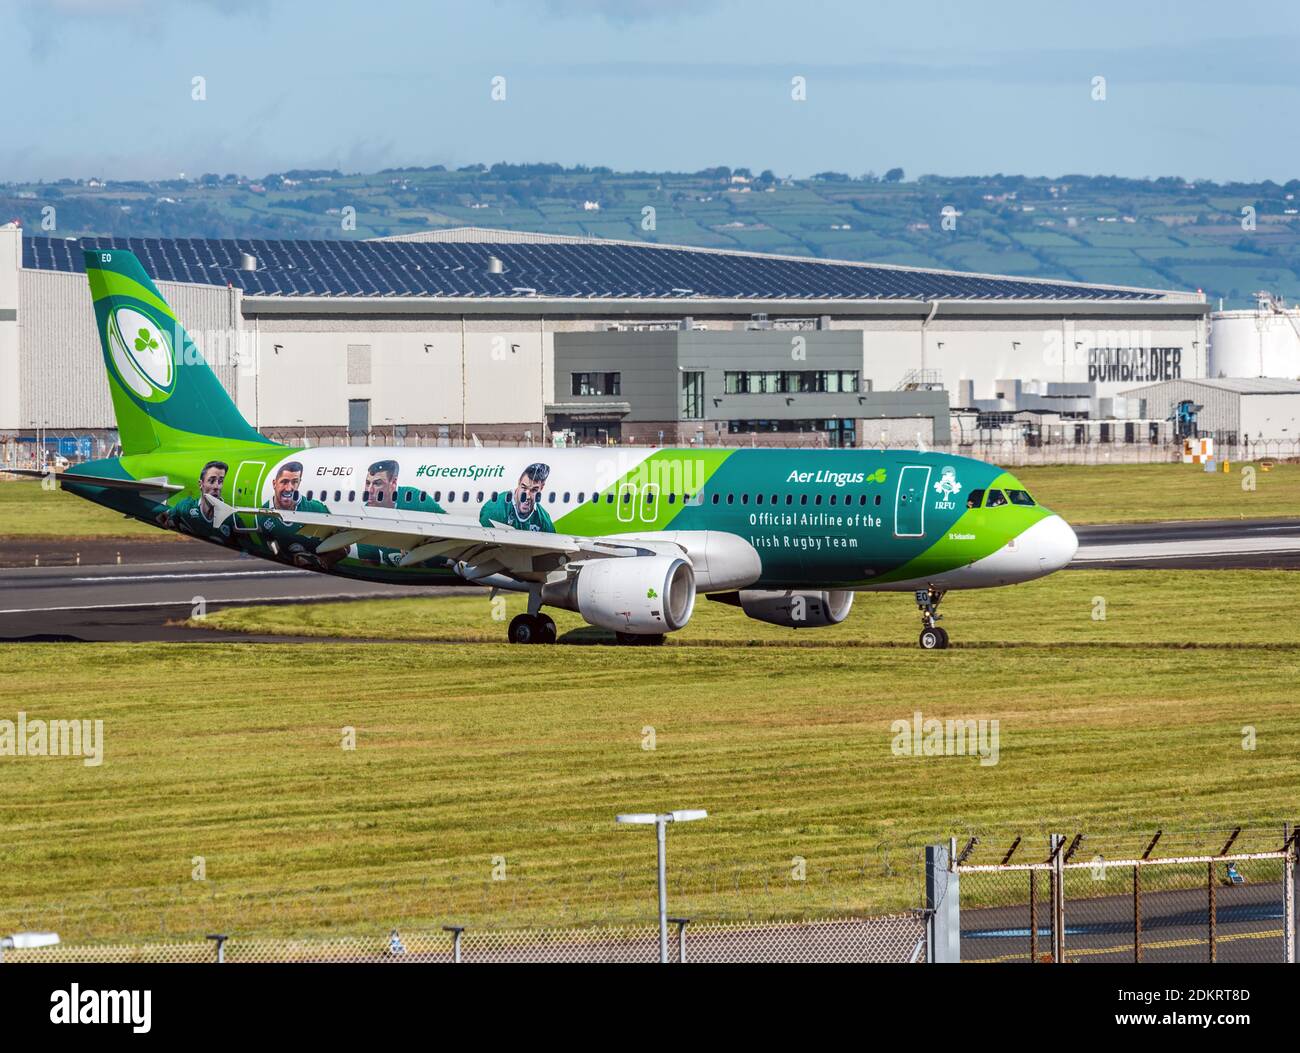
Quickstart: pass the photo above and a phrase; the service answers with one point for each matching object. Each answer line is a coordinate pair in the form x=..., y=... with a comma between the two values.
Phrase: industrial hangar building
x=506, y=337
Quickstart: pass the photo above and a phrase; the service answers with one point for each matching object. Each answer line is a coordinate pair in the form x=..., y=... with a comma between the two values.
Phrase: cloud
x=45, y=20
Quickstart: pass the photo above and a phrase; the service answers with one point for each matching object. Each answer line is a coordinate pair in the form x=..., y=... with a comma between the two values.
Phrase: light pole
x=20, y=941
x=661, y=822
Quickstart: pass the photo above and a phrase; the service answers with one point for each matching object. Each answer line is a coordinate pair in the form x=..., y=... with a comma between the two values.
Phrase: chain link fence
x=895, y=938
x=1221, y=906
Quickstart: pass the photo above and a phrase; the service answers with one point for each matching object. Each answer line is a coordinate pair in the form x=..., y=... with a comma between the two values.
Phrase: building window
x=597, y=383
x=692, y=395
x=790, y=382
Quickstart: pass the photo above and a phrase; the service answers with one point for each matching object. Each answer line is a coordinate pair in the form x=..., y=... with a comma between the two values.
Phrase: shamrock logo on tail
x=145, y=342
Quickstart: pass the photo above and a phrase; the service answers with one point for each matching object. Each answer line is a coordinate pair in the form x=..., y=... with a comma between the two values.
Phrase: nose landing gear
x=932, y=638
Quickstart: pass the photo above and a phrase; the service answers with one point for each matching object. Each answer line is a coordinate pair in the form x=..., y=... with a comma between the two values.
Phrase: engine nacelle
x=796, y=609
x=642, y=595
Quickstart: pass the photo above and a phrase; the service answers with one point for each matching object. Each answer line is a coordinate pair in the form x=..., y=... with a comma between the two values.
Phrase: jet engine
x=639, y=595
x=793, y=609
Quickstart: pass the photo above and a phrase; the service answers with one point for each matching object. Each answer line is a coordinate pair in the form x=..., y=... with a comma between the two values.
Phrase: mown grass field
x=1117, y=493
x=1135, y=493
x=28, y=511
x=471, y=756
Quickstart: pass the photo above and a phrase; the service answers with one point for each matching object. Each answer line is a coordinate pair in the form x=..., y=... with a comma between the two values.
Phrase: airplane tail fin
x=164, y=394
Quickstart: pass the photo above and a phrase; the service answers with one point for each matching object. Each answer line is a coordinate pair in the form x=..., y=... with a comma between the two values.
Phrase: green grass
x=1133, y=493
x=466, y=752
x=28, y=511
x=1053, y=611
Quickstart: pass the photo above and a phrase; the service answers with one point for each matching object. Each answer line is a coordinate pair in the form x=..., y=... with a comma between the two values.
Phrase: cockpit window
x=1020, y=497
x=996, y=498
x=974, y=498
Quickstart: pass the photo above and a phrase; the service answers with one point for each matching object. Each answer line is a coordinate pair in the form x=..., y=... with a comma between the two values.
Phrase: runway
x=140, y=590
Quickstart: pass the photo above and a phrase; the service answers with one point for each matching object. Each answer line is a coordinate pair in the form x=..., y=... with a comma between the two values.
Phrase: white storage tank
x=1264, y=342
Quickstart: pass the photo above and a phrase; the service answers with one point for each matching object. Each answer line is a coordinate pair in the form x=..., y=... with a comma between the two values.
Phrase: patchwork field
x=482, y=760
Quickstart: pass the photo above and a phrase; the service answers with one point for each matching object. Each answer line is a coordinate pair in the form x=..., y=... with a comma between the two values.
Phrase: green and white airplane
x=626, y=537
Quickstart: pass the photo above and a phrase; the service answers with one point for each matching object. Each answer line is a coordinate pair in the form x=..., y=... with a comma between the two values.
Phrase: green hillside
x=1162, y=233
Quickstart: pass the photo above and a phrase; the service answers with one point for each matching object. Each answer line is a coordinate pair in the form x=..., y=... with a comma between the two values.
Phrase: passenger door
x=247, y=488
x=909, y=501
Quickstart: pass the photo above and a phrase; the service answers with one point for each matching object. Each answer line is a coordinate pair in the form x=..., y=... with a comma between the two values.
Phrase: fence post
x=220, y=938
x=1290, y=876
x=943, y=905
x=1058, y=899
x=1033, y=917
x=1209, y=886
x=681, y=924
x=455, y=931
x=1137, y=912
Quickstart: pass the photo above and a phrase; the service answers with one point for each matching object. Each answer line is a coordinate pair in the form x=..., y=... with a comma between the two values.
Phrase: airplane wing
x=477, y=551
x=159, y=487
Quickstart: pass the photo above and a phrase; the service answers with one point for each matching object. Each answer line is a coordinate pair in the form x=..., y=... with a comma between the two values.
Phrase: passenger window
x=337, y=496
x=1020, y=497
x=996, y=498
x=352, y=495
x=582, y=496
x=877, y=499
x=758, y=499
x=451, y=496
x=789, y=499
x=744, y=499
x=817, y=500
x=566, y=497
x=465, y=496
x=715, y=498
x=365, y=496
x=550, y=498
x=803, y=499
x=731, y=499
x=609, y=498
x=974, y=498
x=672, y=499
x=833, y=498
x=480, y=496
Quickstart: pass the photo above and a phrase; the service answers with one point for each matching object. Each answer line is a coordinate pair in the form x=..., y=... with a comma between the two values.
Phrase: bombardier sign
x=1140, y=364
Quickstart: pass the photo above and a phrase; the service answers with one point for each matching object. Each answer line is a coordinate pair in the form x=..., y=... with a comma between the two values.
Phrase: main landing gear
x=532, y=628
x=932, y=637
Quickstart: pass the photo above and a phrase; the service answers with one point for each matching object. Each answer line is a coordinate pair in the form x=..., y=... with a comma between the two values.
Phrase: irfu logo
x=650, y=594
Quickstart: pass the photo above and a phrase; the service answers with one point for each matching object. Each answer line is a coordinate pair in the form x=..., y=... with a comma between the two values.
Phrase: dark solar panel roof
x=562, y=270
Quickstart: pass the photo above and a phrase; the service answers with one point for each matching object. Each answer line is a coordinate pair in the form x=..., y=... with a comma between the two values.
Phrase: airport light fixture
x=660, y=822
x=21, y=941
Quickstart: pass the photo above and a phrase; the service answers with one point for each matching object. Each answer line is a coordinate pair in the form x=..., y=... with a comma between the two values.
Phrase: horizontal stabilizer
x=139, y=486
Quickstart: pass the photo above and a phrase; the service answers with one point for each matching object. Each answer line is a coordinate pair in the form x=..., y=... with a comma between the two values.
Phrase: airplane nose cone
x=1055, y=542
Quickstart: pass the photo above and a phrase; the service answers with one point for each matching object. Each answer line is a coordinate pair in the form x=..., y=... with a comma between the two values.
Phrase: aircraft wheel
x=524, y=628
x=548, y=633
x=935, y=639
x=653, y=641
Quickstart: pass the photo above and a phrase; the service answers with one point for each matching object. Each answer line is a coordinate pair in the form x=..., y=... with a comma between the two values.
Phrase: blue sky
x=1195, y=89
